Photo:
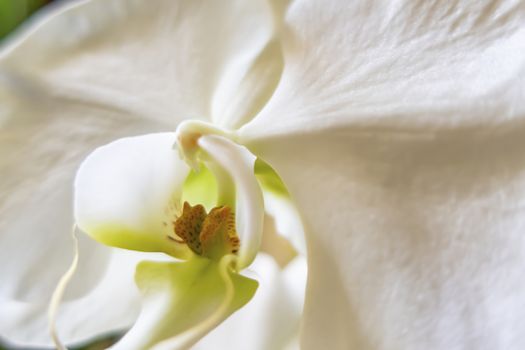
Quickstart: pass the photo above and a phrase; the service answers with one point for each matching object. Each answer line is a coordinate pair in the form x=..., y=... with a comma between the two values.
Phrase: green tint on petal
x=120, y=236
x=269, y=179
x=182, y=301
x=278, y=203
x=127, y=194
x=14, y=12
x=200, y=187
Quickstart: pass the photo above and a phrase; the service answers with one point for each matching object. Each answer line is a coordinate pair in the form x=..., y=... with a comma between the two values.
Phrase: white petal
x=287, y=220
x=400, y=138
x=127, y=193
x=245, y=88
x=242, y=94
x=409, y=65
x=271, y=319
x=238, y=162
x=164, y=60
x=414, y=243
x=110, y=307
x=35, y=222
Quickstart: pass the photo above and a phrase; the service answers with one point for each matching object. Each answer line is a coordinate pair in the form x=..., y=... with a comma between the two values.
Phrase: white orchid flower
x=396, y=127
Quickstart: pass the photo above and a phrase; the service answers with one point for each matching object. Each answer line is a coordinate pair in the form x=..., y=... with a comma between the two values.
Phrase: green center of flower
x=211, y=235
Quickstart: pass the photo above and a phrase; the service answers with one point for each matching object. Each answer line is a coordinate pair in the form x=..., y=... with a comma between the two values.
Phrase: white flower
x=396, y=126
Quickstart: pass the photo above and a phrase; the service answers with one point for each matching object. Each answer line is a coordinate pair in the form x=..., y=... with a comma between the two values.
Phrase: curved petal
x=127, y=194
x=113, y=305
x=245, y=92
x=409, y=233
x=184, y=301
x=271, y=319
x=410, y=66
x=400, y=139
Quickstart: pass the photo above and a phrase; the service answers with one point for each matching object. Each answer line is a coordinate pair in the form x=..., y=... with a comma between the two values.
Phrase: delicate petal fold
x=184, y=301
x=409, y=66
x=240, y=97
x=247, y=88
x=127, y=194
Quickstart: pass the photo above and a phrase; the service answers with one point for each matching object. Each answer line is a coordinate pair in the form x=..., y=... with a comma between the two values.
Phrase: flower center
x=211, y=235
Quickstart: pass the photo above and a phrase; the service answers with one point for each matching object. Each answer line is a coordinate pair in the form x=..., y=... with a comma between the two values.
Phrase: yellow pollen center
x=212, y=234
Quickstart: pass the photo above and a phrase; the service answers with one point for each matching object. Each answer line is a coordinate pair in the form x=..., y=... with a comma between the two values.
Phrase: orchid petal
x=127, y=194
x=409, y=66
x=247, y=88
x=287, y=220
x=83, y=50
x=240, y=97
x=184, y=301
x=407, y=170
x=406, y=234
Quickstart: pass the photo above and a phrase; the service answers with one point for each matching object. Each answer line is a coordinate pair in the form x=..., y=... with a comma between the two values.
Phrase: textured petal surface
x=402, y=65
x=163, y=60
x=400, y=137
x=40, y=149
x=85, y=73
x=127, y=193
